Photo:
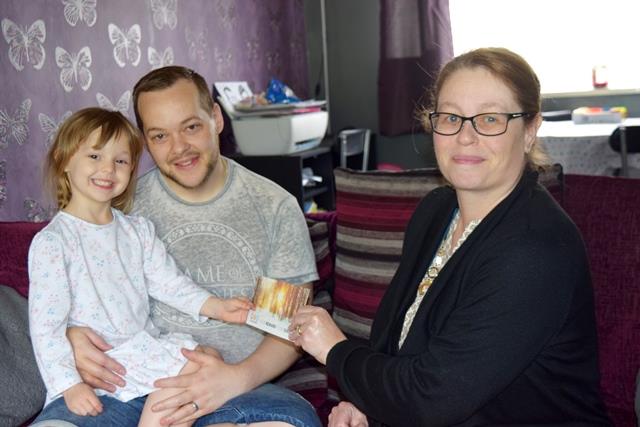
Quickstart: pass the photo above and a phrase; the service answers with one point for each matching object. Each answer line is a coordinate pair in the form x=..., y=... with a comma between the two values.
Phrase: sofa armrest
x=14, y=250
x=22, y=391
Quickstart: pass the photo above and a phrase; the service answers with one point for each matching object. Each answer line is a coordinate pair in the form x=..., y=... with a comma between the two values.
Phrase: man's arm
x=94, y=366
x=217, y=382
x=272, y=357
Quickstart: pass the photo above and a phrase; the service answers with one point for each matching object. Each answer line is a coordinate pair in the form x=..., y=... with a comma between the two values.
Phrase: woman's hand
x=94, y=366
x=313, y=329
x=210, y=387
x=347, y=415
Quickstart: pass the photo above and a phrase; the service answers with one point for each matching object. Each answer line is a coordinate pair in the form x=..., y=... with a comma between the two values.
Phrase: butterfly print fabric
x=58, y=56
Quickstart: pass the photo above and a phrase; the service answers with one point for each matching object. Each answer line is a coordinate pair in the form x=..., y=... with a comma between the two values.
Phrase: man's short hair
x=165, y=77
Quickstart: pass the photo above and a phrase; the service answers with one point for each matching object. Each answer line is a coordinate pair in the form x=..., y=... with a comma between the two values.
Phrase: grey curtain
x=415, y=41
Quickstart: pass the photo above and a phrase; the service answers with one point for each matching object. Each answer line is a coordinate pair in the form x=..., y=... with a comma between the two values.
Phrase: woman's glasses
x=487, y=124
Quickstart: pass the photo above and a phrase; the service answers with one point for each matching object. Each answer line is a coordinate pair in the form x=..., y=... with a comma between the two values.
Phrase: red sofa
x=607, y=212
x=378, y=204
x=306, y=376
x=373, y=209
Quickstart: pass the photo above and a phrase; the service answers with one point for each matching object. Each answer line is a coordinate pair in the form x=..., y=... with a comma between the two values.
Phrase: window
x=563, y=40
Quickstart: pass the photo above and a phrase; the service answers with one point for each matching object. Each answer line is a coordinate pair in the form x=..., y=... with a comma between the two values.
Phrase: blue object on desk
x=279, y=93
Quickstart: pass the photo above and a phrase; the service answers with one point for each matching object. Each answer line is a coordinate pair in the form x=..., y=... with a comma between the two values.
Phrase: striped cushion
x=319, y=231
x=373, y=210
x=307, y=376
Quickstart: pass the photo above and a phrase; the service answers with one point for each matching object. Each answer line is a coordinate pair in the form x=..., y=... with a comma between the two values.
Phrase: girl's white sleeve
x=165, y=281
x=49, y=308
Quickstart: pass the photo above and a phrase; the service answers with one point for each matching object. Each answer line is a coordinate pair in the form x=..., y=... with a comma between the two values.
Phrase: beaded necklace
x=443, y=254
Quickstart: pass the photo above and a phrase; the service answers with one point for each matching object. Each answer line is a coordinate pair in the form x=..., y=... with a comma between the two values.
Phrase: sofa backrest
x=373, y=209
x=306, y=377
x=15, y=239
x=607, y=212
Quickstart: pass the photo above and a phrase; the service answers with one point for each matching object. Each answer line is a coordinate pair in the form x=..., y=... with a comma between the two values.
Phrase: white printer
x=272, y=129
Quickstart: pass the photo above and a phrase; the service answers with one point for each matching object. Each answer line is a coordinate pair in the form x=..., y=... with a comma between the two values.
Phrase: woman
x=489, y=318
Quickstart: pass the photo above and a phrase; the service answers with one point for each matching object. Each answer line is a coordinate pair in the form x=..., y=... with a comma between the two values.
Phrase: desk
x=584, y=149
x=286, y=171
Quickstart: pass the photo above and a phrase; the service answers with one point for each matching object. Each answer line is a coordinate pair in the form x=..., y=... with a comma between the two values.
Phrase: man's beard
x=207, y=175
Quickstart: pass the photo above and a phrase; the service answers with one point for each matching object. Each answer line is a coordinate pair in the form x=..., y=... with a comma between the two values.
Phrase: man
x=225, y=226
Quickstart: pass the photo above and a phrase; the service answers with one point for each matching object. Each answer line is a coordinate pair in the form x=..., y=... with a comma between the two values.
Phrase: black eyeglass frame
x=509, y=116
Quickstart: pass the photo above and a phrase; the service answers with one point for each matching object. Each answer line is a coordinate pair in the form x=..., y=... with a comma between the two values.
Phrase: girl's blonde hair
x=73, y=133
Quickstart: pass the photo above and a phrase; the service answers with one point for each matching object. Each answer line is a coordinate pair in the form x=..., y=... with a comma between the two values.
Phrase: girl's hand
x=82, y=400
x=234, y=310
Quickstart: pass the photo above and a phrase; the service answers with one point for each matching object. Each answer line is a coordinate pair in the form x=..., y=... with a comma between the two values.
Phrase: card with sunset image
x=276, y=301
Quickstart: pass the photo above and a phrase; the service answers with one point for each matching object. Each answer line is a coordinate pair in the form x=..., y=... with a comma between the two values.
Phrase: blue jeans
x=265, y=403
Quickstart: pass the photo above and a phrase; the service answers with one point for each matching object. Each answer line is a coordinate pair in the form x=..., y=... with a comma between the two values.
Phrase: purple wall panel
x=57, y=56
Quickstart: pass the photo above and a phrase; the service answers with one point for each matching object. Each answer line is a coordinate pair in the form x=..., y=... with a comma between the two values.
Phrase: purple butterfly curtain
x=415, y=41
x=58, y=56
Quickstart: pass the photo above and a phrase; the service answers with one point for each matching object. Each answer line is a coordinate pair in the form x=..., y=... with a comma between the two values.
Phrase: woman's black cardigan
x=505, y=335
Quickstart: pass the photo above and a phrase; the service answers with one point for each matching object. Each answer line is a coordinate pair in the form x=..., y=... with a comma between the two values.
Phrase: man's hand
x=96, y=368
x=347, y=415
x=210, y=387
x=82, y=400
x=217, y=382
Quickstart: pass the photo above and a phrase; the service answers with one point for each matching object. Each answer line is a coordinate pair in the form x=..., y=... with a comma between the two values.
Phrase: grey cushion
x=22, y=391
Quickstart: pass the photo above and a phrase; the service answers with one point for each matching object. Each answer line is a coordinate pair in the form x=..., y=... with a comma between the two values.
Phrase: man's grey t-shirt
x=252, y=228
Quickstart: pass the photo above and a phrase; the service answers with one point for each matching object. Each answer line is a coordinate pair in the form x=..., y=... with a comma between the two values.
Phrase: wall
x=93, y=56
x=353, y=45
x=353, y=53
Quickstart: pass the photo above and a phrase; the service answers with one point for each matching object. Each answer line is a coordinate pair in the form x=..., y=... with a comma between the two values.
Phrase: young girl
x=95, y=266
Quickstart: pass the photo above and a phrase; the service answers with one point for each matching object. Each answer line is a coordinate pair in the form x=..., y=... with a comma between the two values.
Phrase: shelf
x=286, y=171
x=312, y=152
x=591, y=93
x=311, y=192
